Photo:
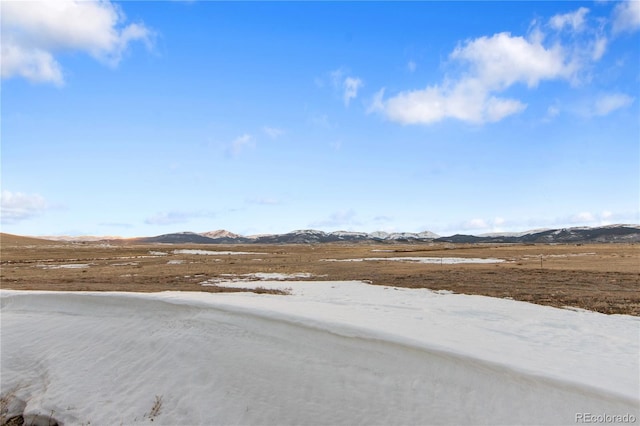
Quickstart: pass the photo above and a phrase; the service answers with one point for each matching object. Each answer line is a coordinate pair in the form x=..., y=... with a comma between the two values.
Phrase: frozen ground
x=212, y=252
x=330, y=353
x=442, y=260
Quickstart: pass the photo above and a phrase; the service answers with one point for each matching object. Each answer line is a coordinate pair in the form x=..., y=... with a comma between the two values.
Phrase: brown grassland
x=599, y=277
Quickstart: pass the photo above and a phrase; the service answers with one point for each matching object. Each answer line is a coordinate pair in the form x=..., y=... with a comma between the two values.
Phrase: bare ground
x=599, y=277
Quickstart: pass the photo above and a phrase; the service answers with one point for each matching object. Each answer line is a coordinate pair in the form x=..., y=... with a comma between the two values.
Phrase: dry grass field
x=599, y=277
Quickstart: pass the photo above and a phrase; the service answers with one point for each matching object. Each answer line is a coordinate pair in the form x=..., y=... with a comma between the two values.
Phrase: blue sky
x=144, y=118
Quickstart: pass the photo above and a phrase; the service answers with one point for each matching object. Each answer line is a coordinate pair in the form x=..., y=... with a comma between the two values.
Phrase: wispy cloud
x=600, y=105
x=34, y=32
x=382, y=218
x=337, y=219
x=351, y=87
x=348, y=85
x=608, y=103
x=320, y=120
x=17, y=206
x=273, y=132
x=573, y=20
x=412, y=66
x=175, y=217
x=239, y=144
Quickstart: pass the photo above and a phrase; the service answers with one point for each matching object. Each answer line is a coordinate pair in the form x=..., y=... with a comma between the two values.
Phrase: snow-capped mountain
x=582, y=234
x=611, y=233
x=220, y=233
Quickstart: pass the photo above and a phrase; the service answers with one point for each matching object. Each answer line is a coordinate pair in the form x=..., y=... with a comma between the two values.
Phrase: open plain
x=599, y=277
x=121, y=333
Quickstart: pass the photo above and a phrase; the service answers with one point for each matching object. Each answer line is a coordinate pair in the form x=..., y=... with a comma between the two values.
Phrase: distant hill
x=178, y=238
x=602, y=234
x=18, y=240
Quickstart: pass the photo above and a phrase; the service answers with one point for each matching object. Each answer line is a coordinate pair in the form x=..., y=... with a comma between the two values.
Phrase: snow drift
x=331, y=353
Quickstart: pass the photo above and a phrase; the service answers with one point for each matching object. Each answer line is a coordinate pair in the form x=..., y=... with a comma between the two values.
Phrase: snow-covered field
x=329, y=353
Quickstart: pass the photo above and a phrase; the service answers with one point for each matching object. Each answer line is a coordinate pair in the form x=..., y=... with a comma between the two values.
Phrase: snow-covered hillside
x=329, y=353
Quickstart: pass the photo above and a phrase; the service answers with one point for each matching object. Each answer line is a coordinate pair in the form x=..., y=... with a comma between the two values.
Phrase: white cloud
x=239, y=144
x=348, y=85
x=606, y=217
x=17, y=206
x=475, y=224
x=479, y=225
x=606, y=104
x=351, y=87
x=336, y=77
x=273, y=132
x=493, y=64
x=412, y=66
x=599, y=48
x=484, y=68
x=573, y=20
x=36, y=65
x=502, y=60
x=553, y=111
x=467, y=101
x=583, y=217
x=175, y=217
x=626, y=16
x=33, y=32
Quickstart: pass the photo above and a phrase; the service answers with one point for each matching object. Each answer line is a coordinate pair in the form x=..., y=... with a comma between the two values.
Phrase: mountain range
x=601, y=234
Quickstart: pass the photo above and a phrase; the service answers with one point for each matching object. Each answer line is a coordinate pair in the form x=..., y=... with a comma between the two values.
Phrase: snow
x=66, y=266
x=278, y=276
x=213, y=253
x=443, y=260
x=329, y=353
x=220, y=233
x=239, y=281
x=538, y=256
